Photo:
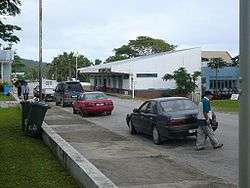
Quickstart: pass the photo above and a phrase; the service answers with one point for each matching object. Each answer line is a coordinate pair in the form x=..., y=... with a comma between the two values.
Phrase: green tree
x=185, y=82
x=18, y=64
x=64, y=66
x=31, y=74
x=236, y=61
x=98, y=62
x=141, y=46
x=216, y=63
x=9, y=8
x=115, y=58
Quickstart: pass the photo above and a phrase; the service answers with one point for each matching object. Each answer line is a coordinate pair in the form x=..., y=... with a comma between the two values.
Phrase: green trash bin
x=26, y=106
x=33, y=125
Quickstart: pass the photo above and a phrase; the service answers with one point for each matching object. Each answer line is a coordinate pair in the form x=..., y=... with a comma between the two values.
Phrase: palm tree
x=216, y=63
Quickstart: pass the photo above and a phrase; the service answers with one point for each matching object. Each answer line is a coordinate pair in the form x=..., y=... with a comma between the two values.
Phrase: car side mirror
x=136, y=110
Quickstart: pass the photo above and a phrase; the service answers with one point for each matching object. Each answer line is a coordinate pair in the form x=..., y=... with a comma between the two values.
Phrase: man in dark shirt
x=204, y=127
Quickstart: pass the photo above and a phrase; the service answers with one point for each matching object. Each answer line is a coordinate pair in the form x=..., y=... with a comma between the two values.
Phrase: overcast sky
x=94, y=28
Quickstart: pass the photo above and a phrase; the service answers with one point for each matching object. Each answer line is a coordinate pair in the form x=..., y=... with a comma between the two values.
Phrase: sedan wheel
x=156, y=136
x=131, y=128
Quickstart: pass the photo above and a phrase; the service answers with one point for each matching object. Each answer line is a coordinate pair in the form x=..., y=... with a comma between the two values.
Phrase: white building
x=143, y=75
x=6, y=59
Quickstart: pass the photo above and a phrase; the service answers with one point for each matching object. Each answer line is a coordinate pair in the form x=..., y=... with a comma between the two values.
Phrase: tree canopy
x=216, y=63
x=98, y=61
x=185, y=82
x=141, y=46
x=64, y=66
x=9, y=8
x=236, y=61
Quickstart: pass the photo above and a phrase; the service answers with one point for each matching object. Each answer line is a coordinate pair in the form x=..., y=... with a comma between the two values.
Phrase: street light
x=40, y=49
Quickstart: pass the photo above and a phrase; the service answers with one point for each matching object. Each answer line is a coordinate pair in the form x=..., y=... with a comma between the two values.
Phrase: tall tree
x=115, y=58
x=236, y=61
x=9, y=8
x=141, y=46
x=185, y=82
x=216, y=63
x=64, y=66
x=98, y=61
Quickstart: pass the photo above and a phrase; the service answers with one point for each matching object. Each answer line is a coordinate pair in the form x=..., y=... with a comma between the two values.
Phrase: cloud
x=94, y=28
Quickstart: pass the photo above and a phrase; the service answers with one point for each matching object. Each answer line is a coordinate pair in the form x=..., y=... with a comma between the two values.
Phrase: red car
x=93, y=102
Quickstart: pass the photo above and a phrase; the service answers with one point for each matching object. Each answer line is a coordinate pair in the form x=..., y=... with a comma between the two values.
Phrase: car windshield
x=177, y=105
x=74, y=87
x=93, y=96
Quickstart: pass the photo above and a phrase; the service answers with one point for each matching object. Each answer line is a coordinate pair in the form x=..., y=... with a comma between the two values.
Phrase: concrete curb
x=84, y=172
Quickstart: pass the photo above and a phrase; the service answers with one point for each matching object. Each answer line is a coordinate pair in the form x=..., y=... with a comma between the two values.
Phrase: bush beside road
x=6, y=98
x=27, y=162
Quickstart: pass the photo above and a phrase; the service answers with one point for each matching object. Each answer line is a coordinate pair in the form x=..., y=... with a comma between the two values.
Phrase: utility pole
x=40, y=49
x=76, y=64
x=244, y=117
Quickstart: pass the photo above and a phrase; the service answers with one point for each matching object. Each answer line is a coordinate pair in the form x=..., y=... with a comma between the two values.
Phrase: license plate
x=99, y=104
x=192, y=130
x=74, y=96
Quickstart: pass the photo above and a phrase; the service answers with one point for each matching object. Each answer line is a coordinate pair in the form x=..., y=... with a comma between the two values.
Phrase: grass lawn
x=6, y=98
x=225, y=105
x=27, y=162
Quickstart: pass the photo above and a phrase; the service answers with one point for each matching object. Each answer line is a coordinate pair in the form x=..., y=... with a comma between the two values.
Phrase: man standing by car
x=204, y=126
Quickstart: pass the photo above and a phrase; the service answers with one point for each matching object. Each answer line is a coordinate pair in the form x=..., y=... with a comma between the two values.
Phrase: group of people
x=23, y=89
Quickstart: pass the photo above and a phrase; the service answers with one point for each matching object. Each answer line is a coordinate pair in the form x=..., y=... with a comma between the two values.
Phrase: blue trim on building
x=228, y=79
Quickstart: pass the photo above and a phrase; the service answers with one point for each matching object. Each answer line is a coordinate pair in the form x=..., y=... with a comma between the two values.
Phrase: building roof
x=6, y=56
x=109, y=65
x=216, y=54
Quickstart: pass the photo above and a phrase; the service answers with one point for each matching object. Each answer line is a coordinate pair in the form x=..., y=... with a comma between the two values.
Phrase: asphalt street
x=222, y=163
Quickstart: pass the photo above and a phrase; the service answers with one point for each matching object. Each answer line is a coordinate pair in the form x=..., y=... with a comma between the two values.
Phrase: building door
x=120, y=83
x=104, y=84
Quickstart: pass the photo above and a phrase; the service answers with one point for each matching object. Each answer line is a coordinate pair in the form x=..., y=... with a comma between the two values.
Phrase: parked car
x=93, y=102
x=164, y=118
x=67, y=92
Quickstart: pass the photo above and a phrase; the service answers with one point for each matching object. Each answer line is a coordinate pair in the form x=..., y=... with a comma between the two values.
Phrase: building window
x=146, y=75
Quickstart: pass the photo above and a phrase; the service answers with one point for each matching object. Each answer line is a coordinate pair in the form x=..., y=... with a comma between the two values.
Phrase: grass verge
x=27, y=162
x=6, y=98
x=225, y=105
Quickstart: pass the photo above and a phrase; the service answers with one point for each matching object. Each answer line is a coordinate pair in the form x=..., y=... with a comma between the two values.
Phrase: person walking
x=25, y=91
x=204, y=127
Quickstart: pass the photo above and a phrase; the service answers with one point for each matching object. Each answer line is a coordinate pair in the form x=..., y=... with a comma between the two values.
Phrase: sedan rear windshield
x=74, y=87
x=93, y=96
x=177, y=105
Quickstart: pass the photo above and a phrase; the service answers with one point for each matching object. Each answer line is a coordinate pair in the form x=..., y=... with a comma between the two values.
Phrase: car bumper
x=98, y=109
x=69, y=100
x=180, y=131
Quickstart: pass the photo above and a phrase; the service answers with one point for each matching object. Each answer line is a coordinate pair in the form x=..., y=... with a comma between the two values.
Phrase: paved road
x=221, y=163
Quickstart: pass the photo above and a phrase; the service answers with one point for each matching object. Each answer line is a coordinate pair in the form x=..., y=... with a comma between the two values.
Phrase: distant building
x=143, y=75
x=6, y=59
x=206, y=56
x=227, y=78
